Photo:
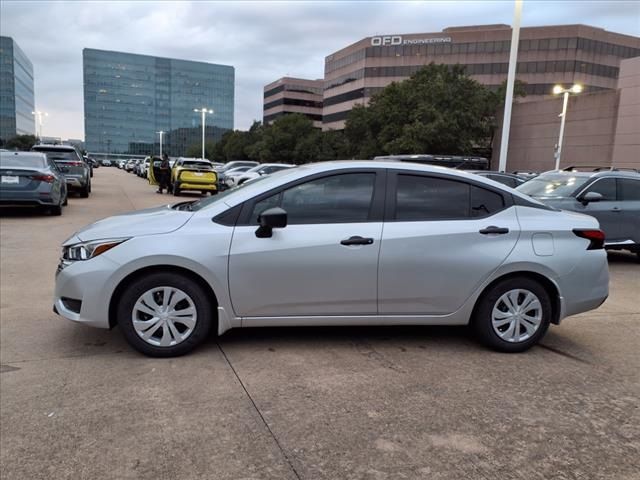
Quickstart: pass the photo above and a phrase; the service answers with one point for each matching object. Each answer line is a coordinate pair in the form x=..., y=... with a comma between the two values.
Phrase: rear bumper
x=32, y=198
x=76, y=182
x=586, y=287
x=197, y=186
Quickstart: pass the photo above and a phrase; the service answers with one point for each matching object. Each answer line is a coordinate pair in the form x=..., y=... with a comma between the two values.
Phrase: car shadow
x=622, y=256
x=23, y=212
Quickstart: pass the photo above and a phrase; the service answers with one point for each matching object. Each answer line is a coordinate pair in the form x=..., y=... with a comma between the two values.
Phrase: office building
x=128, y=98
x=564, y=54
x=293, y=95
x=17, y=99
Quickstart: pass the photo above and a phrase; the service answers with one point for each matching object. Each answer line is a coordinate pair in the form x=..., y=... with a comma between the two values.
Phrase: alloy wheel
x=516, y=315
x=164, y=316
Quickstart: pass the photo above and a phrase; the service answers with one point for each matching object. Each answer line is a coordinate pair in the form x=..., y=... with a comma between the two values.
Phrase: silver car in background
x=336, y=243
x=31, y=179
x=74, y=168
x=611, y=196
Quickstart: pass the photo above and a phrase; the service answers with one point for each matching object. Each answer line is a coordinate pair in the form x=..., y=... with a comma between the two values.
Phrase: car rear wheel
x=513, y=315
x=165, y=315
x=176, y=191
x=66, y=200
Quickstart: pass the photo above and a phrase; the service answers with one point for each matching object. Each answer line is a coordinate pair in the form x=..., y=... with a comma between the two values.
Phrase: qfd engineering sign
x=397, y=40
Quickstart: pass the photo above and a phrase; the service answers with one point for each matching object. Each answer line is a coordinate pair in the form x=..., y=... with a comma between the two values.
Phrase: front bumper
x=88, y=282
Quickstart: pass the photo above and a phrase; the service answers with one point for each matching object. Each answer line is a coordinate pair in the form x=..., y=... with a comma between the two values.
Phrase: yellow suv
x=189, y=174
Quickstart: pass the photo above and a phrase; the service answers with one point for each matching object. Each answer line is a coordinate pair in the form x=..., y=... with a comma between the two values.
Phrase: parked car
x=129, y=166
x=508, y=179
x=611, y=196
x=31, y=179
x=105, y=162
x=92, y=162
x=460, y=162
x=72, y=166
x=193, y=174
x=230, y=177
x=336, y=243
x=121, y=163
x=261, y=170
x=143, y=168
x=222, y=171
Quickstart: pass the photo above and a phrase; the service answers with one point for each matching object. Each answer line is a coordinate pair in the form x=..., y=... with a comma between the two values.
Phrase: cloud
x=262, y=40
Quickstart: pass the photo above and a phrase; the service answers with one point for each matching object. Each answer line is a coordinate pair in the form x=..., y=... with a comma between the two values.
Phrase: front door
x=316, y=265
x=438, y=244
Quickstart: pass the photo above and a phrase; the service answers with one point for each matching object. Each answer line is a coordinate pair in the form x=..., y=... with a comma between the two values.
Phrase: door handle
x=494, y=229
x=616, y=209
x=357, y=240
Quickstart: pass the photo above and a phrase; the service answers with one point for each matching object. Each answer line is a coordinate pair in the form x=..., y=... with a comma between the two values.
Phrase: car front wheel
x=513, y=315
x=165, y=315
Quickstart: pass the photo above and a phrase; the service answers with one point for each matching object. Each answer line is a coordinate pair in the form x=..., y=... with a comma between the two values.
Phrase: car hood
x=152, y=221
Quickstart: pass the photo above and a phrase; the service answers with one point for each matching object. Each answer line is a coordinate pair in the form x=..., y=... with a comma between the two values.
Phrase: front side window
x=344, y=198
x=605, y=187
x=628, y=189
x=421, y=198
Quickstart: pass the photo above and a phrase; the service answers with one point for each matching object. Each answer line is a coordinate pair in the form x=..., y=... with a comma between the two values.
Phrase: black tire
x=55, y=211
x=482, y=322
x=204, y=309
x=84, y=193
x=66, y=200
x=176, y=191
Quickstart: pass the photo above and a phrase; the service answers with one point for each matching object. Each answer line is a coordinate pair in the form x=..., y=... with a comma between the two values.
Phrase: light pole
x=557, y=90
x=161, y=133
x=39, y=120
x=204, y=112
x=511, y=78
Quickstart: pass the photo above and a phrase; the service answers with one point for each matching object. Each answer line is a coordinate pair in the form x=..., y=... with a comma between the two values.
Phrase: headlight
x=87, y=250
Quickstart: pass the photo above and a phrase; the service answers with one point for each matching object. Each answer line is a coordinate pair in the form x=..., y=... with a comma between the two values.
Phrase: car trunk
x=14, y=179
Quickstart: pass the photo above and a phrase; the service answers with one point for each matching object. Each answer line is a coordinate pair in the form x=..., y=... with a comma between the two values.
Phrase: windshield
x=196, y=165
x=16, y=161
x=554, y=185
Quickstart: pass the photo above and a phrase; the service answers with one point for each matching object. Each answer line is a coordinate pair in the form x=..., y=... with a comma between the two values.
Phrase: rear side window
x=344, y=198
x=628, y=189
x=605, y=187
x=421, y=198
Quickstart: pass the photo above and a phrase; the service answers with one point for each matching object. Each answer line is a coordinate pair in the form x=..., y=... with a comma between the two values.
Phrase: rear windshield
x=17, y=161
x=59, y=155
x=196, y=165
x=554, y=185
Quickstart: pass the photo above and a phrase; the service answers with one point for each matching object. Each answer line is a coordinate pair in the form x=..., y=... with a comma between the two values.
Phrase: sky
x=263, y=40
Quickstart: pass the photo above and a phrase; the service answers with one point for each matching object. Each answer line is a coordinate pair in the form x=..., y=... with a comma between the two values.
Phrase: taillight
x=75, y=164
x=596, y=237
x=44, y=178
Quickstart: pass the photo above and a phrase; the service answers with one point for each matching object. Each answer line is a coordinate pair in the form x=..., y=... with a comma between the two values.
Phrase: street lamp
x=39, y=118
x=204, y=112
x=557, y=90
x=161, y=133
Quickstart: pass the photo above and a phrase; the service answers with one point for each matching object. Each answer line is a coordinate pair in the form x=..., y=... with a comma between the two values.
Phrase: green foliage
x=21, y=142
x=439, y=109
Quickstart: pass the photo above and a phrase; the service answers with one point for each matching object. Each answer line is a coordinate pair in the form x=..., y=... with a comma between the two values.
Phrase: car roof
x=291, y=174
x=45, y=146
x=597, y=174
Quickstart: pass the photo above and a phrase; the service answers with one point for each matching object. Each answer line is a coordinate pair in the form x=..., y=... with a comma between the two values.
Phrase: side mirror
x=269, y=219
x=590, y=197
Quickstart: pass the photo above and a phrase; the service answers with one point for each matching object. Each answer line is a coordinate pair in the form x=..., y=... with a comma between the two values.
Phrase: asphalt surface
x=296, y=403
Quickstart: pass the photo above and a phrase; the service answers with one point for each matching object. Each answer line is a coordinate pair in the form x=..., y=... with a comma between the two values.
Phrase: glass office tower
x=17, y=99
x=129, y=97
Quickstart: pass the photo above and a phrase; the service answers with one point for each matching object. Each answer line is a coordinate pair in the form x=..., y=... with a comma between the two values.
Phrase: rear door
x=442, y=238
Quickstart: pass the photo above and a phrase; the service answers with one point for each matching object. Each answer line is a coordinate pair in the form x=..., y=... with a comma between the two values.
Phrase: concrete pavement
x=314, y=403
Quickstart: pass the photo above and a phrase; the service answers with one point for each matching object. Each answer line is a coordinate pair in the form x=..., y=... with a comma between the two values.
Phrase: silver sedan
x=337, y=243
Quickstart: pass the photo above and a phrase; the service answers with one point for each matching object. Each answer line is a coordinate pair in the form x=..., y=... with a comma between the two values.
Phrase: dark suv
x=612, y=196
x=74, y=168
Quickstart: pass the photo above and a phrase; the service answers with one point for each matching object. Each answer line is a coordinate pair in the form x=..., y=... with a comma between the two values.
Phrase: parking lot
x=303, y=403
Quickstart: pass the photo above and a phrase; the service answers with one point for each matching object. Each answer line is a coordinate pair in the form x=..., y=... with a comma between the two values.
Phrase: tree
x=21, y=142
x=439, y=109
x=279, y=140
x=195, y=150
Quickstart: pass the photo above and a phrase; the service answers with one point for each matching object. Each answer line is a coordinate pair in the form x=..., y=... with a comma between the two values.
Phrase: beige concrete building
x=293, y=95
x=563, y=54
x=602, y=128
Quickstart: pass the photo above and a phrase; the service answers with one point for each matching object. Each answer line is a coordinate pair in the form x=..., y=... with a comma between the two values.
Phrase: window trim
x=376, y=209
x=392, y=186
